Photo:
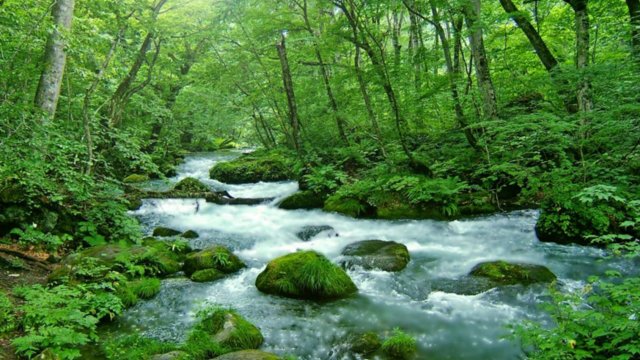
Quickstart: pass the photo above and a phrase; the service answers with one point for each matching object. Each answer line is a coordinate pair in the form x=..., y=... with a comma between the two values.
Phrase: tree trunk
x=55, y=59
x=483, y=73
x=122, y=94
x=580, y=8
x=340, y=122
x=367, y=101
x=288, y=88
x=634, y=17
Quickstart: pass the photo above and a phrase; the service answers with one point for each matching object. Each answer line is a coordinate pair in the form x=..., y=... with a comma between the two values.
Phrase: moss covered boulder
x=135, y=178
x=303, y=200
x=216, y=257
x=222, y=331
x=161, y=231
x=94, y=263
x=305, y=275
x=376, y=254
x=249, y=355
x=254, y=167
x=349, y=206
x=309, y=232
x=173, y=355
x=504, y=273
x=191, y=185
x=365, y=344
x=207, y=275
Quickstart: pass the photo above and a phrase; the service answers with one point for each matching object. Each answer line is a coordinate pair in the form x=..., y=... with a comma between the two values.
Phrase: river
x=446, y=325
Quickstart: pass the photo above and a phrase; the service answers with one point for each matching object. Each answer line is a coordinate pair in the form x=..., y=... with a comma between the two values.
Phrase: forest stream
x=417, y=299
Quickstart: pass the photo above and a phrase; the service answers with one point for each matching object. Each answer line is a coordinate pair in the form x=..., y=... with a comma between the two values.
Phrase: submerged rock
x=310, y=231
x=249, y=355
x=165, y=232
x=135, y=178
x=191, y=185
x=303, y=200
x=377, y=254
x=504, y=273
x=216, y=257
x=190, y=234
x=305, y=275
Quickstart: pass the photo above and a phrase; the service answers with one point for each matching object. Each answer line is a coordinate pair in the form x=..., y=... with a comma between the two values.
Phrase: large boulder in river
x=505, y=273
x=254, y=167
x=222, y=331
x=310, y=231
x=249, y=355
x=305, y=275
x=303, y=200
x=376, y=254
x=191, y=185
x=216, y=257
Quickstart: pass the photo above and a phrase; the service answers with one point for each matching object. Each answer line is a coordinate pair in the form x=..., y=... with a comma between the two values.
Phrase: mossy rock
x=190, y=234
x=303, y=200
x=305, y=275
x=216, y=257
x=133, y=203
x=504, y=273
x=254, y=167
x=365, y=344
x=161, y=231
x=376, y=254
x=348, y=206
x=114, y=257
x=311, y=231
x=400, y=346
x=135, y=178
x=207, y=275
x=222, y=331
x=174, y=355
x=249, y=355
x=191, y=185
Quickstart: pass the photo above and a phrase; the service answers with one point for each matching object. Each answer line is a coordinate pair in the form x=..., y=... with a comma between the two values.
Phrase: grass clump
x=145, y=288
x=400, y=346
x=305, y=275
x=134, y=347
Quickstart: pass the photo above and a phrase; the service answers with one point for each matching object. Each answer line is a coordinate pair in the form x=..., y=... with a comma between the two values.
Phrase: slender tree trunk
x=55, y=59
x=580, y=8
x=634, y=17
x=483, y=73
x=122, y=94
x=288, y=88
x=367, y=101
x=340, y=122
x=452, y=76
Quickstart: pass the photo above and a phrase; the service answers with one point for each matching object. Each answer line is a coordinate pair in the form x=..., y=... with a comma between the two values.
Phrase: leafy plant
x=7, y=317
x=399, y=346
x=31, y=236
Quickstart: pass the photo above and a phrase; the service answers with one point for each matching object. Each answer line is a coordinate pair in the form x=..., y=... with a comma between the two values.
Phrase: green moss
x=303, y=200
x=254, y=167
x=145, y=288
x=346, y=206
x=221, y=331
x=134, y=347
x=191, y=185
x=249, y=355
x=135, y=178
x=366, y=343
x=305, y=275
x=161, y=231
x=400, y=346
x=206, y=275
x=216, y=257
x=504, y=273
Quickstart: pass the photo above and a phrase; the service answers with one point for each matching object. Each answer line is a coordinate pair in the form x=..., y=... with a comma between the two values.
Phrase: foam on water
x=448, y=326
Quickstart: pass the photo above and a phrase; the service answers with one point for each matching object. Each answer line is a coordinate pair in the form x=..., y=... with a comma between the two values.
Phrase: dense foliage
x=389, y=109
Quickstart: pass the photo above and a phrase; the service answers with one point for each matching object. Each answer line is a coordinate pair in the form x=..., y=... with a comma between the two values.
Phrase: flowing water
x=446, y=325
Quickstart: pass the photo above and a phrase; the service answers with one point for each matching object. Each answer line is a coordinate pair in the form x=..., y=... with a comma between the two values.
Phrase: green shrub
x=134, y=347
x=399, y=346
x=7, y=317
